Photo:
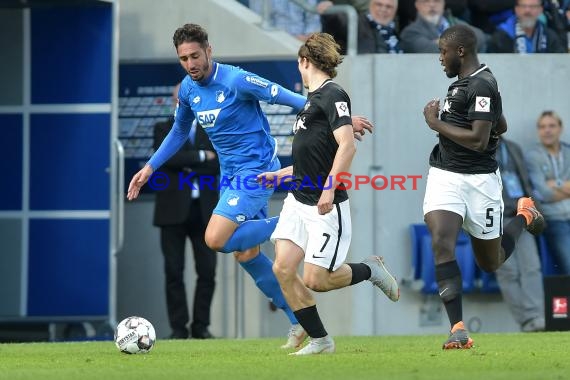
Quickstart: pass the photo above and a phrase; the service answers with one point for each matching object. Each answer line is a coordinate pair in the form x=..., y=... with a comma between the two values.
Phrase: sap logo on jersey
x=207, y=119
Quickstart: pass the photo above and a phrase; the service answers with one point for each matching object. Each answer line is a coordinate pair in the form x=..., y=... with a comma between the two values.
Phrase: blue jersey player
x=225, y=101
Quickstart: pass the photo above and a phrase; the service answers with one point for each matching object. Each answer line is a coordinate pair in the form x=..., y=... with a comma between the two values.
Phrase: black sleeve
x=483, y=101
x=336, y=106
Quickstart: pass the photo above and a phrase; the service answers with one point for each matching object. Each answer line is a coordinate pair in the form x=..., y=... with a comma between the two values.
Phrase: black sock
x=448, y=277
x=311, y=322
x=511, y=234
x=360, y=272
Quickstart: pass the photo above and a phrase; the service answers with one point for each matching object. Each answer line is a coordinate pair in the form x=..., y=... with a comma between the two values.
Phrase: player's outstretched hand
x=138, y=181
x=268, y=179
x=360, y=125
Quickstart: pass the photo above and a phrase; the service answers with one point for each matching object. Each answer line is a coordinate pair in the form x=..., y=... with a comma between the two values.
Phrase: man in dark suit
x=183, y=211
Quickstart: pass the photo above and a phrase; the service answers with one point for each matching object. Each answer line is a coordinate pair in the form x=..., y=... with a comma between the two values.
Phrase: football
x=135, y=335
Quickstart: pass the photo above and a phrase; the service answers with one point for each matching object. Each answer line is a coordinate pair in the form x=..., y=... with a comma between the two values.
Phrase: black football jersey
x=475, y=97
x=314, y=145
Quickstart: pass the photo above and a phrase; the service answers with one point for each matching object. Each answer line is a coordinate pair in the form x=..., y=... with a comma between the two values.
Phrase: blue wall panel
x=11, y=164
x=71, y=54
x=68, y=272
x=10, y=267
x=69, y=161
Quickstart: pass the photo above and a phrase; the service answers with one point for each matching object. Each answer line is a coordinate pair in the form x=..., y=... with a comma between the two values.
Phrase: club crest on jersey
x=299, y=124
x=207, y=119
x=233, y=201
x=220, y=97
x=256, y=81
x=342, y=109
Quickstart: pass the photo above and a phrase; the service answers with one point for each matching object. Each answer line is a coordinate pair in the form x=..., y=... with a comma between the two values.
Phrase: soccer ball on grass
x=135, y=335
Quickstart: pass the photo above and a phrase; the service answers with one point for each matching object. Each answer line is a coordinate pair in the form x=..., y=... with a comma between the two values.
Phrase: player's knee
x=315, y=283
x=283, y=272
x=443, y=247
x=213, y=241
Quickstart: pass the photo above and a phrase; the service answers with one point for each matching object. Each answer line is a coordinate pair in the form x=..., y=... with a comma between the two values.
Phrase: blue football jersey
x=226, y=104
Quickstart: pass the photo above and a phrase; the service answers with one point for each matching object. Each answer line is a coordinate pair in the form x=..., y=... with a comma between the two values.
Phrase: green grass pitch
x=495, y=356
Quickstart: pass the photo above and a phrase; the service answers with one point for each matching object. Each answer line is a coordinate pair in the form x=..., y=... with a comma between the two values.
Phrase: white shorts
x=477, y=198
x=325, y=239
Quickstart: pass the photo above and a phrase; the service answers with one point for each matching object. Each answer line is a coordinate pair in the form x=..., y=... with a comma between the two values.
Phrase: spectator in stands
x=549, y=169
x=520, y=277
x=407, y=11
x=487, y=14
x=377, y=32
x=422, y=35
x=288, y=16
x=523, y=32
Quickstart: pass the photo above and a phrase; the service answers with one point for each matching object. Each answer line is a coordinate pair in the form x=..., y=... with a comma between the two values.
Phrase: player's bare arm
x=475, y=138
x=501, y=126
x=342, y=160
x=138, y=180
x=280, y=176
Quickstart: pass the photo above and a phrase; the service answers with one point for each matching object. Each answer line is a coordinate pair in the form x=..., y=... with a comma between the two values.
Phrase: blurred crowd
x=414, y=26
